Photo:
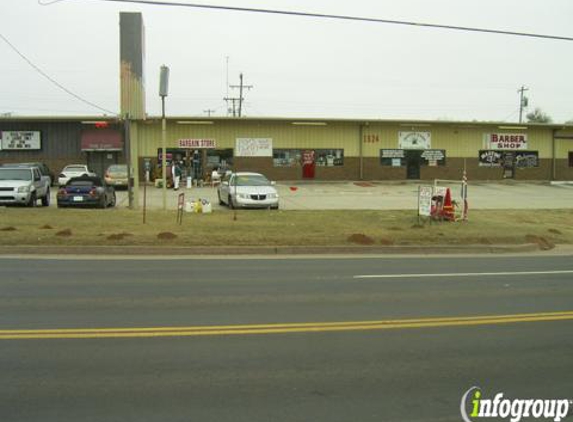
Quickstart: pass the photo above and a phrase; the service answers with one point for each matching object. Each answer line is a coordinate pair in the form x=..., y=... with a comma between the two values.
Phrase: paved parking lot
x=381, y=196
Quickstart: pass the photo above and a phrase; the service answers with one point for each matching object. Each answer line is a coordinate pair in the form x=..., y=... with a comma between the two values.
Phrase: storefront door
x=308, y=164
x=413, y=161
x=508, y=163
x=99, y=161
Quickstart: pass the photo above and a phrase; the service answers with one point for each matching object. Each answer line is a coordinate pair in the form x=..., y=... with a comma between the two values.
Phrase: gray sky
x=300, y=67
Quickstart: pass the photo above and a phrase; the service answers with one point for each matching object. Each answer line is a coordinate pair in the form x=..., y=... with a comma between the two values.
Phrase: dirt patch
x=118, y=236
x=485, y=241
x=544, y=244
x=526, y=221
x=8, y=229
x=361, y=239
x=396, y=229
x=46, y=227
x=386, y=242
x=554, y=231
x=364, y=184
x=166, y=236
x=64, y=233
x=417, y=226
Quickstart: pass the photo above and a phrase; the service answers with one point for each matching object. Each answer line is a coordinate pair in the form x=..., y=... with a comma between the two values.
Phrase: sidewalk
x=380, y=195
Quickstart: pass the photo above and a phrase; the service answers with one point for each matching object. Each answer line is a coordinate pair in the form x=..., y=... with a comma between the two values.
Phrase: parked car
x=248, y=190
x=85, y=191
x=44, y=170
x=116, y=175
x=23, y=186
x=73, y=170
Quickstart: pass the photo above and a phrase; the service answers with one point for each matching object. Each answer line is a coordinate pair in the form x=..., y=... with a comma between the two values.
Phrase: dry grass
x=23, y=226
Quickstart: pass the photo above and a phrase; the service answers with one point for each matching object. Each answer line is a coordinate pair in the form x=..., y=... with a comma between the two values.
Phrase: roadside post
x=465, y=196
x=163, y=88
x=235, y=206
x=144, y=200
x=424, y=202
x=180, y=205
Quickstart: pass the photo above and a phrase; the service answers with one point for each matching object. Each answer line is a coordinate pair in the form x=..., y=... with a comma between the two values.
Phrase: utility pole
x=240, y=99
x=234, y=102
x=208, y=111
x=523, y=101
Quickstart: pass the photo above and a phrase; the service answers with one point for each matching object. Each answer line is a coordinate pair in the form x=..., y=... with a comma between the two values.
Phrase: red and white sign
x=511, y=141
x=196, y=143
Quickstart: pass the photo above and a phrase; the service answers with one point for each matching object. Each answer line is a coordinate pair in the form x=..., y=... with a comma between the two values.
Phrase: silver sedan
x=248, y=190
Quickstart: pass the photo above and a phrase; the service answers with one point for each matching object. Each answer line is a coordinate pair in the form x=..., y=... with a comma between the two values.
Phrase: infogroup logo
x=514, y=409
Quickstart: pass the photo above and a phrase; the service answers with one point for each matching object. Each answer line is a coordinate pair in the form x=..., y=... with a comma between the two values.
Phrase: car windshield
x=75, y=168
x=15, y=174
x=251, y=180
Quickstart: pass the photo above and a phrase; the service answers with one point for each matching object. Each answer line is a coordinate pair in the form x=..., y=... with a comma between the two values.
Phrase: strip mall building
x=281, y=148
x=297, y=149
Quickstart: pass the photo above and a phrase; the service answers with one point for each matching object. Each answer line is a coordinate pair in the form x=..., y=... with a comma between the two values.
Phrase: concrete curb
x=268, y=250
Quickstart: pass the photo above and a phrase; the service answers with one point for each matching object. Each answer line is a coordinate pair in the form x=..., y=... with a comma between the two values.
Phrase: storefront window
x=293, y=157
x=434, y=157
x=505, y=158
x=570, y=158
x=287, y=157
x=219, y=158
x=329, y=157
x=392, y=157
x=405, y=157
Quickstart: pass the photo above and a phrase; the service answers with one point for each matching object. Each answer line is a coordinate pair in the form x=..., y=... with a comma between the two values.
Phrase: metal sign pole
x=144, y=200
x=163, y=88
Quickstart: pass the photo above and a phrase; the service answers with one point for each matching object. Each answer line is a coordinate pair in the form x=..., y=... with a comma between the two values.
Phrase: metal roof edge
x=404, y=122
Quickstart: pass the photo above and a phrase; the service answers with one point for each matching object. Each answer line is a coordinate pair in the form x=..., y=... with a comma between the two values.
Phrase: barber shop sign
x=512, y=141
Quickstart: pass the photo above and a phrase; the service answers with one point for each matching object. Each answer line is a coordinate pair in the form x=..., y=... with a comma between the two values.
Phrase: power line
x=49, y=78
x=344, y=17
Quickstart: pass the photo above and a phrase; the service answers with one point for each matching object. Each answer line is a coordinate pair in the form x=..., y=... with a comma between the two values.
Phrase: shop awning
x=102, y=140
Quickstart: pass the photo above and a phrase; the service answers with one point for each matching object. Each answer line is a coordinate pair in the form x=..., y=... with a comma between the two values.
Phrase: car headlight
x=242, y=196
x=24, y=189
x=273, y=195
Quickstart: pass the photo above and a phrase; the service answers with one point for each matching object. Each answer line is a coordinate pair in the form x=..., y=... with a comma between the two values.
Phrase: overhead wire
x=340, y=17
x=52, y=80
x=304, y=14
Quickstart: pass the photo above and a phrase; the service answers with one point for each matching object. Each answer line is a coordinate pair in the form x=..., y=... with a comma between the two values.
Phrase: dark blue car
x=86, y=191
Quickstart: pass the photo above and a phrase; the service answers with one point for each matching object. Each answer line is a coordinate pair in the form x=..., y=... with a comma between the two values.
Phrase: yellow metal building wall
x=284, y=135
x=462, y=141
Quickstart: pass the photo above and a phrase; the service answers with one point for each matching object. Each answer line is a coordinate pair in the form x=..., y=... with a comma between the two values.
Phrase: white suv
x=23, y=186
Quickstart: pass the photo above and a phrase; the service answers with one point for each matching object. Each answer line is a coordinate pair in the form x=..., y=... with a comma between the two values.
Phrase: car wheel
x=33, y=200
x=113, y=200
x=275, y=207
x=230, y=202
x=220, y=200
x=103, y=203
x=46, y=199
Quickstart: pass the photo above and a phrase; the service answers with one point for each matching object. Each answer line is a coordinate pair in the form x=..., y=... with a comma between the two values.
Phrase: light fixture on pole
x=163, y=88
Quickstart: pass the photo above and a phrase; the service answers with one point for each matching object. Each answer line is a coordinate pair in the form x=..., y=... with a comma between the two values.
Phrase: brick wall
x=374, y=171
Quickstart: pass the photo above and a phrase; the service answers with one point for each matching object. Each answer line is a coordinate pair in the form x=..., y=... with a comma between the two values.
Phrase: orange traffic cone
x=448, y=209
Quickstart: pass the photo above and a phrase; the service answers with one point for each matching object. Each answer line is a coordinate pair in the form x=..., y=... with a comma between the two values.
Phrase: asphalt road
x=374, y=364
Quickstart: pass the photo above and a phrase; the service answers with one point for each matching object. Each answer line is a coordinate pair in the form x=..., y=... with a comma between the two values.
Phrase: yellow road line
x=315, y=327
